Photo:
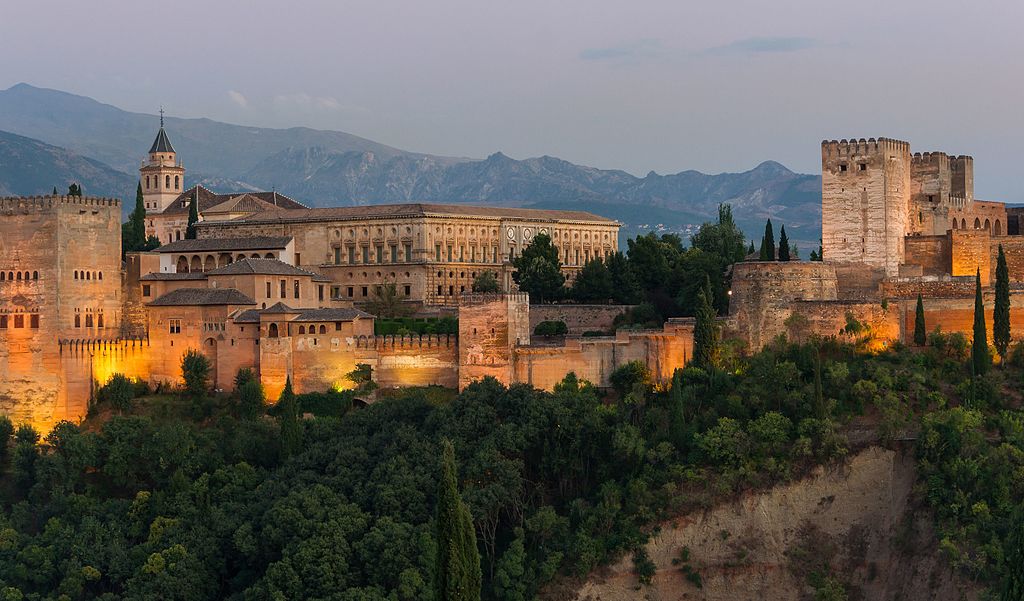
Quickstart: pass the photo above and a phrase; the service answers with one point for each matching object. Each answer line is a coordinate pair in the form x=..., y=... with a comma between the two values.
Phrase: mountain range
x=50, y=138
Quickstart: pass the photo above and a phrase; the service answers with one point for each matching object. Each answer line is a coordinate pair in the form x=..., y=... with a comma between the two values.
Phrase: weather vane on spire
x=161, y=115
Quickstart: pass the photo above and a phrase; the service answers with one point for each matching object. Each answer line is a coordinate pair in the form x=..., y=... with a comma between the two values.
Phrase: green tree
x=1012, y=587
x=705, y=331
x=119, y=391
x=457, y=571
x=486, y=282
x=193, y=216
x=593, y=283
x=74, y=190
x=510, y=575
x=538, y=270
x=783, y=245
x=980, y=359
x=133, y=231
x=251, y=400
x=724, y=238
x=291, y=429
x=6, y=431
x=195, y=370
x=625, y=287
x=387, y=303
x=768, y=243
x=920, y=334
x=751, y=249
x=1001, y=310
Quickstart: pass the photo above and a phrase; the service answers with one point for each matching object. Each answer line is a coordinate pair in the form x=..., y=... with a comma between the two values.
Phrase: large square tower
x=865, y=201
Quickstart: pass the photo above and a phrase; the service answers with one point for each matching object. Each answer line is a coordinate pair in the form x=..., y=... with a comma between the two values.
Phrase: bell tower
x=162, y=176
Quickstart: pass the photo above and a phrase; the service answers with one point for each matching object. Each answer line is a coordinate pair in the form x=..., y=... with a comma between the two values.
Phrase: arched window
x=147, y=182
x=302, y=330
x=176, y=184
x=196, y=265
x=977, y=223
x=99, y=319
x=988, y=225
x=999, y=228
x=3, y=275
x=26, y=276
x=167, y=181
x=269, y=256
x=963, y=224
x=78, y=320
x=323, y=329
x=76, y=274
x=101, y=275
x=35, y=274
x=955, y=224
x=177, y=235
x=88, y=275
x=272, y=330
x=19, y=276
x=182, y=265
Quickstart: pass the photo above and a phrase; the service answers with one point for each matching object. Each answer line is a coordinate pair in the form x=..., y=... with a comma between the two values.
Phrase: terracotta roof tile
x=412, y=210
x=187, y=297
x=225, y=244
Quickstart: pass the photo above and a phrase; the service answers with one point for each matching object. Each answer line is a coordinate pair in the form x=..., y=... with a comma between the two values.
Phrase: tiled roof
x=185, y=297
x=209, y=200
x=160, y=276
x=415, y=210
x=332, y=315
x=225, y=244
x=161, y=143
x=280, y=308
x=247, y=316
x=261, y=267
x=243, y=203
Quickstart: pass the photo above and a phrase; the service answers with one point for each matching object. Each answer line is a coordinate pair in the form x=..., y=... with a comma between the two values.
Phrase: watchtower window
x=931, y=198
x=862, y=166
x=842, y=168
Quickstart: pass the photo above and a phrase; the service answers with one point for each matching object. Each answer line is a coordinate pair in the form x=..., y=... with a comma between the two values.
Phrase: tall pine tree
x=291, y=429
x=980, y=359
x=783, y=245
x=193, y=216
x=457, y=572
x=1001, y=311
x=920, y=336
x=133, y=233
x=768, y=243
x=750, y=249
x=705, y=330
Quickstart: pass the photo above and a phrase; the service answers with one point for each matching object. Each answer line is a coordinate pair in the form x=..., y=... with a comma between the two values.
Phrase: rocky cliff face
x=857, y=518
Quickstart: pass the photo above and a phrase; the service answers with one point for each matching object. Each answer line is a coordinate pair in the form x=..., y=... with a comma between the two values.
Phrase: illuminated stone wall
x=578, y=318
x=490, y=327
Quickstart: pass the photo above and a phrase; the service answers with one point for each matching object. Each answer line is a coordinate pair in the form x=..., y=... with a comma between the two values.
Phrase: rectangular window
x=408, y=289
x=145, y=290
x=408, y=252
x=351, y=292
x=298, y=258
x=842, y=168
x=99, y=319
x=440, y=290
x=295, y=289
x=335, y=291
x=174, y=326
x=320, y=292
x=449, y=254
x=78, y=320
x=365, y=291
x=337, y=255
x=394, y=254
x=3, y=322
x=33, y=322
x=495, y=254
x=351, y=255
x=88, y=320
x=366, y=255
x=337, y=326
x=284, y=288
x=437, y=252
x=462, y=253
x=863, y=166
x=268, y=289
x=380, y=253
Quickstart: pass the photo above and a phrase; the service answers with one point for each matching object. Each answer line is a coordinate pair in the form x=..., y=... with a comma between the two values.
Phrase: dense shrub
x=551, y=328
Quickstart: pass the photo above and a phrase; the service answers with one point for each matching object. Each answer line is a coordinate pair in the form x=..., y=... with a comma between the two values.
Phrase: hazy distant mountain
x=29, y=167
x=325, y=168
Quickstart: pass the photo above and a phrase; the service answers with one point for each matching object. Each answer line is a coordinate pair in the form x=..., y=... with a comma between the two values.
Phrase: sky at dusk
x=664, y=85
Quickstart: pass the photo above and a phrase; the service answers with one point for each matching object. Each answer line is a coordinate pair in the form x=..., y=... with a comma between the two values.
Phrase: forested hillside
x=179, y=496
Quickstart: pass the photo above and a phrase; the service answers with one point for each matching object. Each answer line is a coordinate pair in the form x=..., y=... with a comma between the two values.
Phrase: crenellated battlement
x=832, y=149
x=25, y=204
x=919, y=159
x=77, y=346
x=407, y=342
x=475, y=298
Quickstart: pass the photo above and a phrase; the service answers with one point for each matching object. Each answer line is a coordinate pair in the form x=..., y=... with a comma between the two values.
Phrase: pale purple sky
x=664, y=85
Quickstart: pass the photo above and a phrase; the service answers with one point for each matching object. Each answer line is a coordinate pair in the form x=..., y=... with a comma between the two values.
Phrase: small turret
x=162, y=176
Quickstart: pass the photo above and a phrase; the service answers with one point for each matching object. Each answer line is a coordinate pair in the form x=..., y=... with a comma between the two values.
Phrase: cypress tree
x=193, y=217
x=705, y=331
x=768, y=243
x=291, y=429
x=920, y=337
x=783, y=245
x=55, y=190
x=1012, y=588
x=980, y=359
x=819, y=394
x=750, y=249
x=1001, y=311
x=457, y=572
x=677, y=411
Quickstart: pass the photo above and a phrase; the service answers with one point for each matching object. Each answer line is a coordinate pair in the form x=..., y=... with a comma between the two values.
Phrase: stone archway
x=182, y=266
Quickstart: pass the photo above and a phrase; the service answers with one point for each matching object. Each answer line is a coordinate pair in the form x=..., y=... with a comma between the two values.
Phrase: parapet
x=411, y=342
x=853, y=146
x=929, y=158
x=27, y=204
x=484, y=298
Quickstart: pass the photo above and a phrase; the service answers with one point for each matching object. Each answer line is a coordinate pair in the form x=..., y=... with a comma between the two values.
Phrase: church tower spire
x=162, y=176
